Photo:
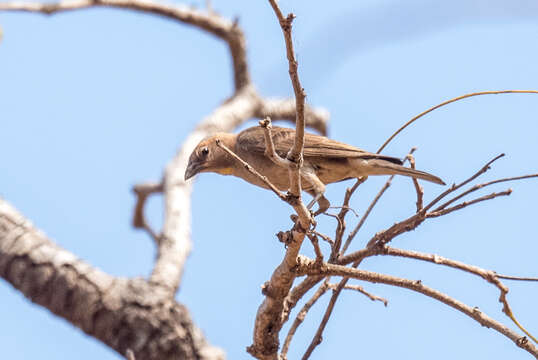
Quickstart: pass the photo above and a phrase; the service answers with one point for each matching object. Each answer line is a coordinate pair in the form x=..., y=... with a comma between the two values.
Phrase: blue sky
x=93, y=102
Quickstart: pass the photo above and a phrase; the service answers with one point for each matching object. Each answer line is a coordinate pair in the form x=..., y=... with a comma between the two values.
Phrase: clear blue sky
x=92, y=102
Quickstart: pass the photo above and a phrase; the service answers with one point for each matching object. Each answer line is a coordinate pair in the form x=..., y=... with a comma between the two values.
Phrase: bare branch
x=296, y=152
x=488, y=275
x=385, y=236
x=270, y=146
x=285, y=109
x=351, y=236
x=341, y=227
x=205, y=20
x=451, y=101
x=516, y=278
x=122, y=313
x=455, y=187
x=362, y=291
x=252, y=171
x=467, y=203
x=142, y=192
x=308, y=268
x=315, y=243
x=419, y=190
x=480, y=186
x=297, y=294
x=175, y=243
x=322, y=289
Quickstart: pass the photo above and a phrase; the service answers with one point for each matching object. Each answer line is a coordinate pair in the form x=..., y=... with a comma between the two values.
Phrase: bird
x=325, y=161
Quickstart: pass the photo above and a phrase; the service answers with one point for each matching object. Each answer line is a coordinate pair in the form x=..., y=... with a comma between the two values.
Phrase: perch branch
x=296, y=152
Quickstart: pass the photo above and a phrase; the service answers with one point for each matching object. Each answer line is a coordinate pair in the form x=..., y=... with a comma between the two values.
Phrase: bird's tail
x=383, y=167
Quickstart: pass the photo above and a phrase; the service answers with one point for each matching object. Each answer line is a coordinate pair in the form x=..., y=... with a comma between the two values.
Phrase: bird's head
x=208, y=157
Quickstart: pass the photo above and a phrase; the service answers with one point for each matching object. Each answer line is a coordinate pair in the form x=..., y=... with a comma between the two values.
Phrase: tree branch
x=448, y=102
x=310, y=268
x=208, y=21
x=122, y=313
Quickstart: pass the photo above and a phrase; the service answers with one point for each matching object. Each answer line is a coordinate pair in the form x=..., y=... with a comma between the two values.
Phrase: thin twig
x=322, y=289
x=252, y=170
x=455, y=187
x=362, y=291
x=419, y=190
x=318, y=337
x=270, y=145
x=315, y=243
x=385, y=236
x=324, y=237
x=467, y=203
x=488, y=275
x=297, y=294
x=480, y=186
x=341, y=227
x=451, y=101
x=516, y=278
x=351, y=235
x=308, y=268
x=296, y=152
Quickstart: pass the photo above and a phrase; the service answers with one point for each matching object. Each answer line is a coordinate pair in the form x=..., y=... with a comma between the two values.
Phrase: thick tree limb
x=122, y=313
x=174, y=241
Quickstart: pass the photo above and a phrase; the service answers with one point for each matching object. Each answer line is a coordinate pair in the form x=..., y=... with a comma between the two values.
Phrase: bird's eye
x=205, y=151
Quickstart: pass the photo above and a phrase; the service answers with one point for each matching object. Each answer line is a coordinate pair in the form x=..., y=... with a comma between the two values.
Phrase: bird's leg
x=317, y=191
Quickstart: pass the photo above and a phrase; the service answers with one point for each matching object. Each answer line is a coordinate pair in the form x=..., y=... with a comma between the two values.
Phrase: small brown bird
x=325, y=161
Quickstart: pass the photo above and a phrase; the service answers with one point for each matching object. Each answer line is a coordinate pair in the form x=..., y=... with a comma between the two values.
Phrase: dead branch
x=481, y=186
x=253, y=171
x=361, y=290
x=467, y=203
x=122, y=313
x=296, y=152
x=322, y=289
x=341, y=227
x=419, y=190
x=205, y=20
x=142, y=192
x=308, y=268
x=174, y=244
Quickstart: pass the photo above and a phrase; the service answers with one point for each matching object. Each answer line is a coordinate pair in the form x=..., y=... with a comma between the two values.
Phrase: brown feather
x=315, y=146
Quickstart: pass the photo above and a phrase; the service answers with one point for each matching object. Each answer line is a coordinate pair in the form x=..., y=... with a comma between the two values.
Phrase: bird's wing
x=252, y=140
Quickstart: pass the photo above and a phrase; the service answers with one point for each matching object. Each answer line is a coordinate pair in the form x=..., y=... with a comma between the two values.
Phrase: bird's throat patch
x=225, y=171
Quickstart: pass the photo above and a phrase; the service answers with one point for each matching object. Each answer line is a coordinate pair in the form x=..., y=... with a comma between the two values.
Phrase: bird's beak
x=192, y=169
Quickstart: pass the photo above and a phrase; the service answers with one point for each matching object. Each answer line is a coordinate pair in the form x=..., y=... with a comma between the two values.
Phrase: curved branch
x=175, y=243
x=207, y=21
x=448, y=102
x=311, y=268
x=122, y=313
